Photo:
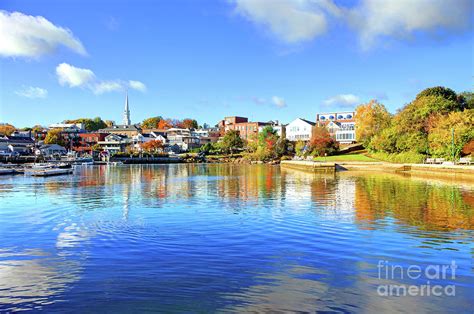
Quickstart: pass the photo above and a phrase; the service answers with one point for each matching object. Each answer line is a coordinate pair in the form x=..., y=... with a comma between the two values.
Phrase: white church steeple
x=126, y=112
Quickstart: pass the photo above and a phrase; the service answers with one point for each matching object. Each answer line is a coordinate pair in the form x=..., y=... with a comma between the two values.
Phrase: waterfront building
x=88, y=140
x=51, y=150
x=115, y=143
x=17, y=142
x=247, y=130
x=299, y=130
x=341, y=125
x=126, y=130
x=139, y=139
x=182, y=138
x=78, y=127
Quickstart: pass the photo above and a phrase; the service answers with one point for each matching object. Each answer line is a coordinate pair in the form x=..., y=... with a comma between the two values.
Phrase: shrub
x=405, y=157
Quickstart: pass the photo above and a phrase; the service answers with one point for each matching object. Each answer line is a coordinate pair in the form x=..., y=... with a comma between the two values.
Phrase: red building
x=87, y=141
x=246, y=129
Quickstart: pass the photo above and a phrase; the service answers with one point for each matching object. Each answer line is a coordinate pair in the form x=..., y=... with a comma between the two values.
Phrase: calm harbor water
x=205, y=238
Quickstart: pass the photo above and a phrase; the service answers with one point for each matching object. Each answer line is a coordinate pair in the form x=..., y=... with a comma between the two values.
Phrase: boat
x=51, y=172
x=115, y=163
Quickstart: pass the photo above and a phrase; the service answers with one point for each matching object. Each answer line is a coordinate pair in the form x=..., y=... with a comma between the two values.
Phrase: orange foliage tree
x=164, y=124
x=321, y=142
x=152, y=146
x=7, y=129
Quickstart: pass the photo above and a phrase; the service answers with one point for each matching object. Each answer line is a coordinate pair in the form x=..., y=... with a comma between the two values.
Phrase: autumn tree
x=7, y=129
x=370, y=119
x=165, y=124
x=231, y=141
x=54, y=137
x=153, y=146
x=440, y=135
x=152, y=122
x=188, y=124
x=321, y=142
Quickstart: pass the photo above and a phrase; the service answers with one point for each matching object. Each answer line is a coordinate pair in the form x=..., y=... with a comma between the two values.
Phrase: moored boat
x=51, y=172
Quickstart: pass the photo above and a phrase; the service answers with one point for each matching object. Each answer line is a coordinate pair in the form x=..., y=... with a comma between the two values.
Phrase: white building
x=341, y=125
x=299, y=130
x=139, y=139
x=115, y=143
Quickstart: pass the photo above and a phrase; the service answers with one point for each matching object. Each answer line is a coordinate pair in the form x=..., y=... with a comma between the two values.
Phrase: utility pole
x=452, y=144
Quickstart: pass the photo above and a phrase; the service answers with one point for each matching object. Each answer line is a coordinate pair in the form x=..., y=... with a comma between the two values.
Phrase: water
x=205, y=238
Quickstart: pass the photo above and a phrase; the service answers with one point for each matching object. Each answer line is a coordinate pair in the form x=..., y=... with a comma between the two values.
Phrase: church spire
x=126, y=112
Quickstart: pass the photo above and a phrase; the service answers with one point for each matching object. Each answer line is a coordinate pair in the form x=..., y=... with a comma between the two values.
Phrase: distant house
x=341, y=125
x=182, y=138
x=17, y=142
x=299, y=130
x=127, y=130
x=114, y=143
x=139, y=139
x=52, y=150
x=88, y=140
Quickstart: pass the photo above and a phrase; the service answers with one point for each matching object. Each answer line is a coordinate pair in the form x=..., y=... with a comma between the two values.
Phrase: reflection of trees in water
x=429, y=207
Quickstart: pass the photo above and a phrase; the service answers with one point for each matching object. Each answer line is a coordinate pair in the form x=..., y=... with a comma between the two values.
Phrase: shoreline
x=453, y=171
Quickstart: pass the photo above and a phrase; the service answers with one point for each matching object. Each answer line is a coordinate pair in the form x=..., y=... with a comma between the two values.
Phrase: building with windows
x=247, y=130
x=341, y=125
x=299, y=130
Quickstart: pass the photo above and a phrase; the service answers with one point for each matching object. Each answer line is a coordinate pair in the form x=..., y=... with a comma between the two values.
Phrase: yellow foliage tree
x=371, y=119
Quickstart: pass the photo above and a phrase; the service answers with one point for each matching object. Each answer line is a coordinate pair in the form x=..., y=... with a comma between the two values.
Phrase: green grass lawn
x=346, y=157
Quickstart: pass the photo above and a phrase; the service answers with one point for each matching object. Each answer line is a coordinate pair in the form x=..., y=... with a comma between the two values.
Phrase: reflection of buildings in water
x=341, y=205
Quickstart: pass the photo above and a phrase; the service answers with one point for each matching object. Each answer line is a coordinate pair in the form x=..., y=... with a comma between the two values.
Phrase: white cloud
x=292, y=21
x=107, y=86
x=77, y=77
x=402, y=18
x=342, y=100
x=32, y=36
x=278, y=101
x=137, y=85
x=72, y=76
x=32, y=92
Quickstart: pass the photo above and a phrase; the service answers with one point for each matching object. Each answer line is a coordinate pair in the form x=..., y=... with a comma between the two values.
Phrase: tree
x=90, y=124
x=321, y=142
x=231, y=141
x=165, y=124
x=300, y=148
x=152, y=122
x=468, y=99
x=265, y=147
x=7, y=129
x=54, y=137
x=440, y=136
x=438, y=91
x=153, y=146
x=370, y=119
x=189, y=124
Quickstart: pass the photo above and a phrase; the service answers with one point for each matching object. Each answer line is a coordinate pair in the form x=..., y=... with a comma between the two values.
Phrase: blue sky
x=278, y=59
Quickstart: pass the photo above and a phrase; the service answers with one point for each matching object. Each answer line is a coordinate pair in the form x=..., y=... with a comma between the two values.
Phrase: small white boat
x=51, y=172
x=115, y=163
x=88, y=163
